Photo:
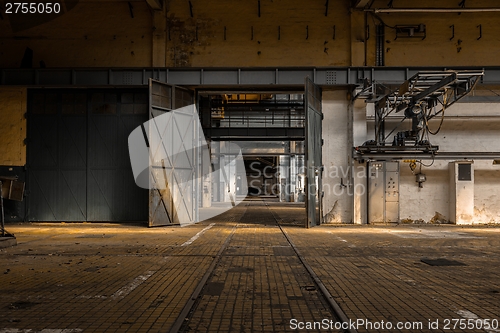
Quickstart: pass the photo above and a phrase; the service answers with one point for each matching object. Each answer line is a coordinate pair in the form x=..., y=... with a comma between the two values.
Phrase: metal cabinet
x=383, y=192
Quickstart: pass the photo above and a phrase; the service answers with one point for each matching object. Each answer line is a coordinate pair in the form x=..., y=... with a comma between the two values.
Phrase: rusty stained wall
x=88, y=34
x=287, y=33
x=467, y=47
x=12, y=126
x=219, y=34
x=196, y=34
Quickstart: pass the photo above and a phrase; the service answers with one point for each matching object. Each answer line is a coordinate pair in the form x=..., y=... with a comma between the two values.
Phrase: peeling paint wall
x=12, y=126
x=486, y=192
x=421, y=205
x=430, y=204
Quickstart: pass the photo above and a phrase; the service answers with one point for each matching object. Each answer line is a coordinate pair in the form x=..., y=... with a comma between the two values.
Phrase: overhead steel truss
x=424, y=96
x=221, y=77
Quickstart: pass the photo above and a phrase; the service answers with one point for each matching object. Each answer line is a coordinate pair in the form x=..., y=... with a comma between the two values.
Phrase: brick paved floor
x=128, y=278
x=259, y=284
x=376, y=272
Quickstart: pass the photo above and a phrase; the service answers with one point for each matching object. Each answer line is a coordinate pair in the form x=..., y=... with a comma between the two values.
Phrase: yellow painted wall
x=199, y=40
x=438, y=49
x=279, y=34
x=102, y=34
x=219, y=34
x=92, y=34
x=12, y=126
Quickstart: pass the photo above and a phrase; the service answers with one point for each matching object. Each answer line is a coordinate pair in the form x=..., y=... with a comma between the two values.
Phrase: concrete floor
x=128, y=278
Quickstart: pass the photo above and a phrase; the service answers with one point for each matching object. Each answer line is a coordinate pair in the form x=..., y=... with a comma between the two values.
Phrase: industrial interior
x=237, y=140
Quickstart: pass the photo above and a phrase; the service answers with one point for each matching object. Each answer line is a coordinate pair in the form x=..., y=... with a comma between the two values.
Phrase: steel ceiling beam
x=155, y=4
x=222, y=77
x=361, y=3
x=397, y=156
x=255, y=133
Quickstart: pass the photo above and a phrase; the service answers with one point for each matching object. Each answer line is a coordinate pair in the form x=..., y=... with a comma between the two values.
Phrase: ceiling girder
x=361, y=3
x=155, y=4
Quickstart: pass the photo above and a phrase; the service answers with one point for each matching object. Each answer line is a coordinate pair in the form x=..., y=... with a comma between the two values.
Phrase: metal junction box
x=383, y=192
x=462, y=192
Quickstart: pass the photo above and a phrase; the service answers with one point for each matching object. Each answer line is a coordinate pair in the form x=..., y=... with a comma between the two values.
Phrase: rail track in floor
x=246, y=281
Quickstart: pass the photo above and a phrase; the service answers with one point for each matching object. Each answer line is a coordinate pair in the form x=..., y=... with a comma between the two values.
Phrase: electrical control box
x=383, y=192
x=462, y=192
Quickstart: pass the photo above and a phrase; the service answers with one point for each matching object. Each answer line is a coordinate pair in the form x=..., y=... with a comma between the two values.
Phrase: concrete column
x=359, y=172
x=206, y=166
x=337, y=204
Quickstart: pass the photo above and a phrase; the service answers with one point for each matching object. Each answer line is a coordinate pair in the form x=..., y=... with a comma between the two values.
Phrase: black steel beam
x=255, y=133
x=395, y=156
x=221, y=77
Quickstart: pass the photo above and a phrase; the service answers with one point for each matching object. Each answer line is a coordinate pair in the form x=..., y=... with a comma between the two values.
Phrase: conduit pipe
x=433, y=10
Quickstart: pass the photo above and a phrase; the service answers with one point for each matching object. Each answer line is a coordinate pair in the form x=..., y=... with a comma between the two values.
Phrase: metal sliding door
x=78, y=162
x=313, y=153
x=173, y=159
x=57, y=157
x=111, y=190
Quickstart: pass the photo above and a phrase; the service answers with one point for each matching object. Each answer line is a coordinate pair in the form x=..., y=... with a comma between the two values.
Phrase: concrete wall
x=12, y=126
x=430, y=204
x=337, y=203
x=427, y=204
x=486, y=192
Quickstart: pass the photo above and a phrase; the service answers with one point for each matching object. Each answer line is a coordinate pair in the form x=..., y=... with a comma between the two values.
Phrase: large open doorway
x=279, y=133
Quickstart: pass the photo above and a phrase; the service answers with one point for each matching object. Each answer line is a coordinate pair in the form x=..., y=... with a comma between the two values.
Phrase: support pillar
x=359, y=170
x=206, y=165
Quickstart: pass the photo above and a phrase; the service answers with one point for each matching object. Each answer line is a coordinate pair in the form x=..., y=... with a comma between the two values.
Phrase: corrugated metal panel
x=78, y=162
x=56, y=160
x=169, y=199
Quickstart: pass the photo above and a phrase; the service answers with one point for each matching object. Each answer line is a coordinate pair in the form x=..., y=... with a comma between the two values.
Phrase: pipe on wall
x=433, y=10
x=424, y=156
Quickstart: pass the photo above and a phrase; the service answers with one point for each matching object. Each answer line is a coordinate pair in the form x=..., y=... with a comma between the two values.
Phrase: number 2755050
x=32, y=8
